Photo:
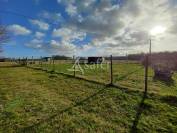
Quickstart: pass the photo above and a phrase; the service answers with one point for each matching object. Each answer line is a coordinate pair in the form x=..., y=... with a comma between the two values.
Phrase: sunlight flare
x=157, y=30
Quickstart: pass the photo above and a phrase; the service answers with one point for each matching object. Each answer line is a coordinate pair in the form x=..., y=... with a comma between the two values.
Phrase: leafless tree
x=3, y=36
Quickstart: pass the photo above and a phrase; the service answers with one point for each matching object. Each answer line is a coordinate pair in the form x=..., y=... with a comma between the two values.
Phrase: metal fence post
x=26, y=61
x=111, y=71
x=53, y=64
x=32, y=61
x=19, y=60
x=50, y=61
x=146, y=73
x=74, y=66
x=41, y=61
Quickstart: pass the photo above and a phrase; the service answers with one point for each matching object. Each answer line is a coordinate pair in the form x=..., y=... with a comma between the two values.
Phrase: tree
x=3, y=36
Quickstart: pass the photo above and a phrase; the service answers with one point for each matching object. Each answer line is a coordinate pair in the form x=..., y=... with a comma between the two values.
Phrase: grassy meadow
x=125, y=74
x=36, y=101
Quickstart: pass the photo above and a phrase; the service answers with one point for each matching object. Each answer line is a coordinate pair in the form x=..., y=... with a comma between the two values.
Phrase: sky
x=88, y=27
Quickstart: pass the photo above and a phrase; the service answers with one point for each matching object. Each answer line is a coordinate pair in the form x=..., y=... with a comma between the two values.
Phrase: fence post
x=26, y=61
x=41, y=62
x=53, y=64
x=74, y=66
x=111, y=71
x=146, y=74
x=19, y=60
x=32, y=61
x=23, y=61
x=51, y=60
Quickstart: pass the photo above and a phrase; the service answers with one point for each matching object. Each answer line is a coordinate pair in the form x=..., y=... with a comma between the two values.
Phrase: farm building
x=95, y=60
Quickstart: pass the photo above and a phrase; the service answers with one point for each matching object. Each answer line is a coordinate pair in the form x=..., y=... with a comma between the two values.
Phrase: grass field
x=125, y=74
x=36, y=101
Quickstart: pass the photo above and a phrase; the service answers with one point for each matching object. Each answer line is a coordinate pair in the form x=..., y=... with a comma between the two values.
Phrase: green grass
x=35, y=101
x=125, y=74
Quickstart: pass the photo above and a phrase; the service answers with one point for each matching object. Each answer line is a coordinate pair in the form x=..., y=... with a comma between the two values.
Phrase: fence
x=123, y=73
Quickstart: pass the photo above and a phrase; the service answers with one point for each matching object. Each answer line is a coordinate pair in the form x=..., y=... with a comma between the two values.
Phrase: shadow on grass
x=169, y=82
x=80, y=103
x=128, y=74
x=171, y=100
x=141, y=108
x=68, y=75
x=81, y=78
x=11, y=66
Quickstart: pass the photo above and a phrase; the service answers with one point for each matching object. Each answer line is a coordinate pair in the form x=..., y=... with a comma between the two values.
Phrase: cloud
x=71, y=10
x=114, y=26
x=68, y=34
x=41, y=25
x=122, y=25
x=39, y=35
x=66, y=2
x=62, y=48
x=53, y=46
x=35, y=43
x=18, y=30
x=51, y=16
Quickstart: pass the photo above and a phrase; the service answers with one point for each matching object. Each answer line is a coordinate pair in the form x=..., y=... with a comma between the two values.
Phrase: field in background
x=36, y=101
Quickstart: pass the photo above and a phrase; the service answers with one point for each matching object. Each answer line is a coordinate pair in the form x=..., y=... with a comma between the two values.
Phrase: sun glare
x=157, y=30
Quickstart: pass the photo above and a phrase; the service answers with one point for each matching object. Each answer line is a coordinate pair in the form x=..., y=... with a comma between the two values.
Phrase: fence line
x=51, y=65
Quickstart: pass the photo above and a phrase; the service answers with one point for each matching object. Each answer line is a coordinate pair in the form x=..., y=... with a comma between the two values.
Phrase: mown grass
x=35, y=101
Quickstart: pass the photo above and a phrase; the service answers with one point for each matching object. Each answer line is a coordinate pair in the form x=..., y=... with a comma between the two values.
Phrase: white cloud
x=66, y=2
x=35, y=43
x=52, y=17
x=115, y=27
x=53, y=46
x=71, y=10
x=42, y=25
x=18, y=30
x=39, y=35
x=124, y=26
x=68, y=34
x=63, y=48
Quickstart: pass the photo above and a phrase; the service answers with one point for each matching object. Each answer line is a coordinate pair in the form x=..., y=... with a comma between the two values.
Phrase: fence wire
x=125, y=73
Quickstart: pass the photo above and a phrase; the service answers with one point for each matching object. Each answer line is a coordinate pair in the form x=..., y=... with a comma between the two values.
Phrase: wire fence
x=109, y=71
x=137, y=75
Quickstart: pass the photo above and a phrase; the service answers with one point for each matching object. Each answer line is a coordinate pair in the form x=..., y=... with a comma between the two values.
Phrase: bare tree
x=3, y=36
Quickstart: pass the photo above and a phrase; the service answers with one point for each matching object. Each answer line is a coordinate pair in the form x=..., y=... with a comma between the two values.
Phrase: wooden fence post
x=111, y=71
x=146, y=74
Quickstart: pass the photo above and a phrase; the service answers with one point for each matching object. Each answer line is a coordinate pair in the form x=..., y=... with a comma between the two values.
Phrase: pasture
x=32, y=100
x=127, y=74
